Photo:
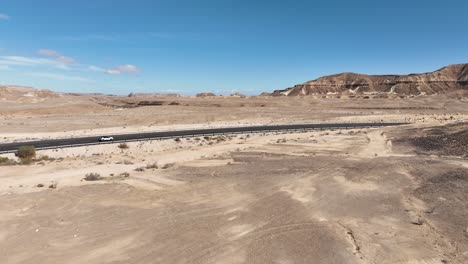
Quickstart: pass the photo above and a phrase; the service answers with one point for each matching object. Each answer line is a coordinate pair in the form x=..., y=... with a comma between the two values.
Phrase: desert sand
x=387, y=195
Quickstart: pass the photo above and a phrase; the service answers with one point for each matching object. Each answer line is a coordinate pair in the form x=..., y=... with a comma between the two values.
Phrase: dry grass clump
x=140, y=169
x=93, y=176
x=125, y=162
x=124, y=174
x=152, y=166
x=26, y=154
x=123, y=146
x=4, y=161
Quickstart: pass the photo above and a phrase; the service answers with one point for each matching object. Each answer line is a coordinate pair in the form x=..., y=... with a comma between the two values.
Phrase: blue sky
x=188, y=46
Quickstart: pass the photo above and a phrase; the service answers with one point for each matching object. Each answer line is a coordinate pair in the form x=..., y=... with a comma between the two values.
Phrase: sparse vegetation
x=45, y=158
x=125, y=174
x=152, y=166
x=125, y=162
x=93, y=176
x=4, y=161
x=26, y=154
x=123, y=146
x=140, y=169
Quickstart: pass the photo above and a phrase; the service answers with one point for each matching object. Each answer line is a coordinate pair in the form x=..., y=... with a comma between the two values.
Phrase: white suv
x=103, y=139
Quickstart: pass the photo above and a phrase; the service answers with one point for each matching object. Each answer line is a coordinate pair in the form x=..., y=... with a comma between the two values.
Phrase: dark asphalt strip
x=72, y=142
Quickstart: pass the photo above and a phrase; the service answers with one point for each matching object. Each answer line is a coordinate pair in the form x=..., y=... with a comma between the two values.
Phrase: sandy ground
x=341, y=196
x=81, y=116
x=331, y=197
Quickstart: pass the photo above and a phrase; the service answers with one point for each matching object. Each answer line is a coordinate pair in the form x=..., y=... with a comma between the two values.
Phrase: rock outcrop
x=447, y=79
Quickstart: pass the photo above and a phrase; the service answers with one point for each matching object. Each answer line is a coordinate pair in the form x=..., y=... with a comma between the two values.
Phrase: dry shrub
x=125, y=174
x=93, y=176
x=152, y=166
x=123, y=146
x=26, y=154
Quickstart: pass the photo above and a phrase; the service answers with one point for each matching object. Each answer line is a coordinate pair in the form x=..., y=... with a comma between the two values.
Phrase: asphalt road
x=71, y=142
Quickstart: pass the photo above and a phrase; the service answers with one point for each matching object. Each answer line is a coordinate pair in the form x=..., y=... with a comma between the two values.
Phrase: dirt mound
x=450, y=78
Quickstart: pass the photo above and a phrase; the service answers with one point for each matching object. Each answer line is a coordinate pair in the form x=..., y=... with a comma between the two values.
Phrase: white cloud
x=65, y=59
x=4, y=17
x=32, y=62
x=48, y=52
x=26, y=61
x=127, y=68
x=113, y=72
x=61, y=62
x=123, y=69
x=57, y=56
x=59, y=77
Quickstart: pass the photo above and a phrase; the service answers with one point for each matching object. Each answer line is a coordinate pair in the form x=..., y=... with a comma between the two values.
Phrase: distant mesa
x=445, y=80
x=206, y=95
x=237, y=94
x=154, y=95
x=27, y=94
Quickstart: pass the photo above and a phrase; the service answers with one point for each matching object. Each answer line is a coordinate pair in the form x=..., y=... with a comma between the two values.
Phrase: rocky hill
x=450, y=78
x=16, y=93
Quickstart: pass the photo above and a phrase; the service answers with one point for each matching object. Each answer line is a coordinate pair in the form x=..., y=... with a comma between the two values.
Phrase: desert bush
x=123, y=146
x=125, y=174
x=4, y=161
x=93, y=176
x=26, y=152
x=140, y=169
x=152, y=166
